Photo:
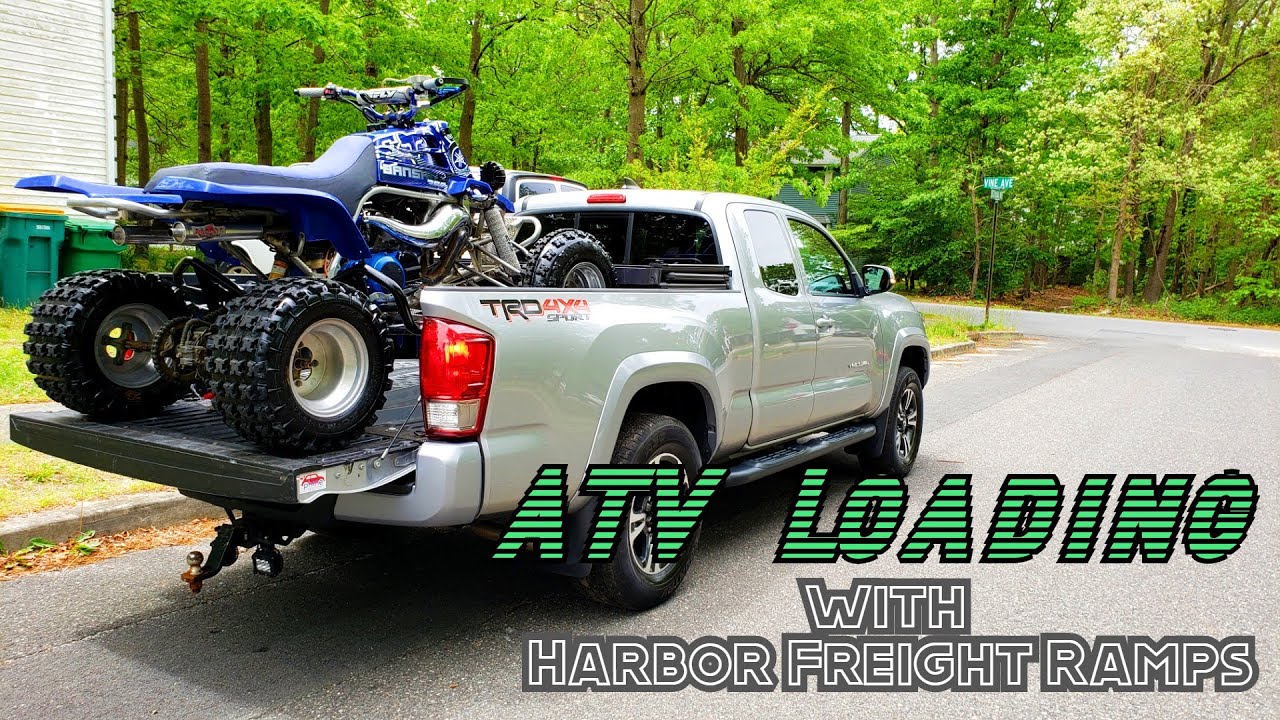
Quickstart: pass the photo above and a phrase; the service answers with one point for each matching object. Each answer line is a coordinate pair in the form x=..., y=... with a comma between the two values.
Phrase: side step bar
x=803, y=450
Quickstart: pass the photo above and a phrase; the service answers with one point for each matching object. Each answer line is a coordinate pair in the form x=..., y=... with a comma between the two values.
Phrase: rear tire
x=903, y=429
x=570, y=259
x=634, y=580
x=300, y=365
x=85, y=343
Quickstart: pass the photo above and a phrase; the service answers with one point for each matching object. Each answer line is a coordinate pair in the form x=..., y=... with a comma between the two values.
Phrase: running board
x=801, y=451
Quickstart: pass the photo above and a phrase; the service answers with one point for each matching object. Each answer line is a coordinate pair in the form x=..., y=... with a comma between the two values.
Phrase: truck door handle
x=825, y=323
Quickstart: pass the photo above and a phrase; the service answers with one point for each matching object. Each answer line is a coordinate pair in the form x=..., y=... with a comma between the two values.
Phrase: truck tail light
x=455, y=369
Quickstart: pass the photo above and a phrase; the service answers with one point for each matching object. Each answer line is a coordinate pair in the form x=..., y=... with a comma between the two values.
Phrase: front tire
x=903, y=429
x=634, y=580
x=300, y=365
x=89, y=343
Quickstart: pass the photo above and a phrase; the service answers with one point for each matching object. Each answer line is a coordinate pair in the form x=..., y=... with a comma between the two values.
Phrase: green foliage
x=1145, y=127
x=157, y=258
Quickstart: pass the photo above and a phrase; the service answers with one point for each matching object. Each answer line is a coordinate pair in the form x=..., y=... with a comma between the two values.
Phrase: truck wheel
x=571, y=259
x=89, y=343
x=299, y=365
x=902, y=432
x=634, y=579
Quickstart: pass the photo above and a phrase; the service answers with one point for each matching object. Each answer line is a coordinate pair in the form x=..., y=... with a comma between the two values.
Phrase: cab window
x=825, y=269
x=772, y=251
x=528, y=188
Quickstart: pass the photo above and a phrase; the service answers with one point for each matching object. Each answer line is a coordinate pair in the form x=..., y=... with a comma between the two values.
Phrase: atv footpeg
x=242, y=532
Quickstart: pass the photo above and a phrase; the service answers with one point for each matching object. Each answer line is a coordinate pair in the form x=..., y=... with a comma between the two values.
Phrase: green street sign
x=997, y=183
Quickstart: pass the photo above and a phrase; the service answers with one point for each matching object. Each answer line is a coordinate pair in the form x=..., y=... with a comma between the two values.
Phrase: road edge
x=104, y=517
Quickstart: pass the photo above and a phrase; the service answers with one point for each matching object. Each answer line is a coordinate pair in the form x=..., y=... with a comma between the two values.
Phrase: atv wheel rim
x=908, y=423
x=329, y=369
x=642, y=521
x=123, y=347
x=584, y=275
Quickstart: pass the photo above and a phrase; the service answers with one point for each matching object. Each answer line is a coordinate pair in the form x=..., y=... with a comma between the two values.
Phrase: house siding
x=56, y=93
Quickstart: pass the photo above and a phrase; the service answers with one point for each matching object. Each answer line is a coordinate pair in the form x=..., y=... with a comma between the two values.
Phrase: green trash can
x=89, y=247
x=30, y=239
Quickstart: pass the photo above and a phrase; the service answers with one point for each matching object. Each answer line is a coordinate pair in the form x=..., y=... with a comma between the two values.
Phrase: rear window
x=639, y=238
x=610, y=229
x=527, y=188
x=671, y=237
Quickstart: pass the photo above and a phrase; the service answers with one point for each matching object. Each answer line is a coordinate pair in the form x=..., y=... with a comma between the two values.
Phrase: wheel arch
x=669, y=383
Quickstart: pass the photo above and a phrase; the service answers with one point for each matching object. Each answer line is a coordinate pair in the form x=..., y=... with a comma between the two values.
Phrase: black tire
x=567, y=258
x=902, y=430
x=83, y=364
x=624, y=582
x=260, y=361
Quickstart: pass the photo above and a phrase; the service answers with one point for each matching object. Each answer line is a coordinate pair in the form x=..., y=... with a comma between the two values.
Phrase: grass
x=944, y=330
x=31, y=481
x=16, y=384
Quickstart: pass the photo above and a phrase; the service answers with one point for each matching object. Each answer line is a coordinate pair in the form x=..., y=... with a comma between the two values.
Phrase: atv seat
x=346, y=171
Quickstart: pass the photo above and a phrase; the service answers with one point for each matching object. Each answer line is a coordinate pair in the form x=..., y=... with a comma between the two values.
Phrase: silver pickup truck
x=734, y=332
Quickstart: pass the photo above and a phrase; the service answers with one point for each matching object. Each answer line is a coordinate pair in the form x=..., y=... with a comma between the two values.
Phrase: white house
x=57, y=107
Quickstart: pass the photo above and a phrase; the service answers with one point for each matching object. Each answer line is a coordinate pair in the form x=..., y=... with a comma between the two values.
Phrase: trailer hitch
x=241, y=532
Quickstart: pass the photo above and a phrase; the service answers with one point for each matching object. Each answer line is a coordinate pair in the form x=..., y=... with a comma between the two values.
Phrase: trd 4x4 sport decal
x=553, y=309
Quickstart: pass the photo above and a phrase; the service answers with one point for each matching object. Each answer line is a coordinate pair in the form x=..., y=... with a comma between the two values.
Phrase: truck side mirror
x=878, y=278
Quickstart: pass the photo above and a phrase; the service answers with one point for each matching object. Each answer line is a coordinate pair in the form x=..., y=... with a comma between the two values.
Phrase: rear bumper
x=447, y=490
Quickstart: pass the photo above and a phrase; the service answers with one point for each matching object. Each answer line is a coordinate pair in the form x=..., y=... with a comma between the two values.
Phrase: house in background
x=57, y=106
x=827, y=166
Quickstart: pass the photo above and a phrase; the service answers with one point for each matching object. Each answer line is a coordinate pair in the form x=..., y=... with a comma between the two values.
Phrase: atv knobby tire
x=106, y=372
x=300, y=365
x=570, y=258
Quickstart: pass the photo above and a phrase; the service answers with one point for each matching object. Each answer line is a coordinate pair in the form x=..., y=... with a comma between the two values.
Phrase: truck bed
x=190, y=448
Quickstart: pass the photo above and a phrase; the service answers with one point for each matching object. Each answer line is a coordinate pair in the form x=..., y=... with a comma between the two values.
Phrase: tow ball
x=242, y=532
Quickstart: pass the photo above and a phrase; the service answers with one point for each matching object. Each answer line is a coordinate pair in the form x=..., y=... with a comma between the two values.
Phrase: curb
x=953, y=348
x=996, y=335
x=106, y=517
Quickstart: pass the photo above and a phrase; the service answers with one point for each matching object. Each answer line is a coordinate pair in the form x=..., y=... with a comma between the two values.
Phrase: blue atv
x=296, y=357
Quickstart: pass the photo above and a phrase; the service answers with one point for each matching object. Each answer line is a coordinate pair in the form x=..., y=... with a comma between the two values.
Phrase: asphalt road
x=423, y=625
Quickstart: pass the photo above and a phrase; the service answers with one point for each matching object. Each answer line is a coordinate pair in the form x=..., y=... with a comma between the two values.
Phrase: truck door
x=782, y=318
x=846, y=326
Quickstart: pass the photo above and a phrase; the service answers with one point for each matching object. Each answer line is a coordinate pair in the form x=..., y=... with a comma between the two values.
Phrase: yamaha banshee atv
x=297, y=358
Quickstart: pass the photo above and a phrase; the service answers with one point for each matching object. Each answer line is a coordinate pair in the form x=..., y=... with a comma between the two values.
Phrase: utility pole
x=997, y=186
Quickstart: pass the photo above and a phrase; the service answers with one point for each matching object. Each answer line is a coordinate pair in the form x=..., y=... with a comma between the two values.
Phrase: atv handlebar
x=405, y=94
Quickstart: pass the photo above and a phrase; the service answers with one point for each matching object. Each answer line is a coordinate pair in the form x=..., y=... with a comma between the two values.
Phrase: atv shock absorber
x=497, y=227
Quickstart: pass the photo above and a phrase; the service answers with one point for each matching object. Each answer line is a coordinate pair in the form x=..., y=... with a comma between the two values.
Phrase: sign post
x=997, y=186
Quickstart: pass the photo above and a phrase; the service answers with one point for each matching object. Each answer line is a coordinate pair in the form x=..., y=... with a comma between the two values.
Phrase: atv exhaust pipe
x=109, y=207
x=180, y=233
x=442, y=223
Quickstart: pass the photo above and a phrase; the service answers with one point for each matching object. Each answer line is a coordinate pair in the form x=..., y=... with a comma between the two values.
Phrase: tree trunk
x=139, y=101
x=262, y=127
x=204, y=103
x=370, y=65
x=977, y=237
x=122, y=131
x=262, y=114
x=737, y=25
x=468, y=118
x=1155, y=279
x=311, y=120
x=842, y=202
x=637, y=84
x=224, y=126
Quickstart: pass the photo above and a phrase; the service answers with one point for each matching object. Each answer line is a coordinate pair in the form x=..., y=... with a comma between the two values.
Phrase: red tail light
x=606, y=198
x=455, y=369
